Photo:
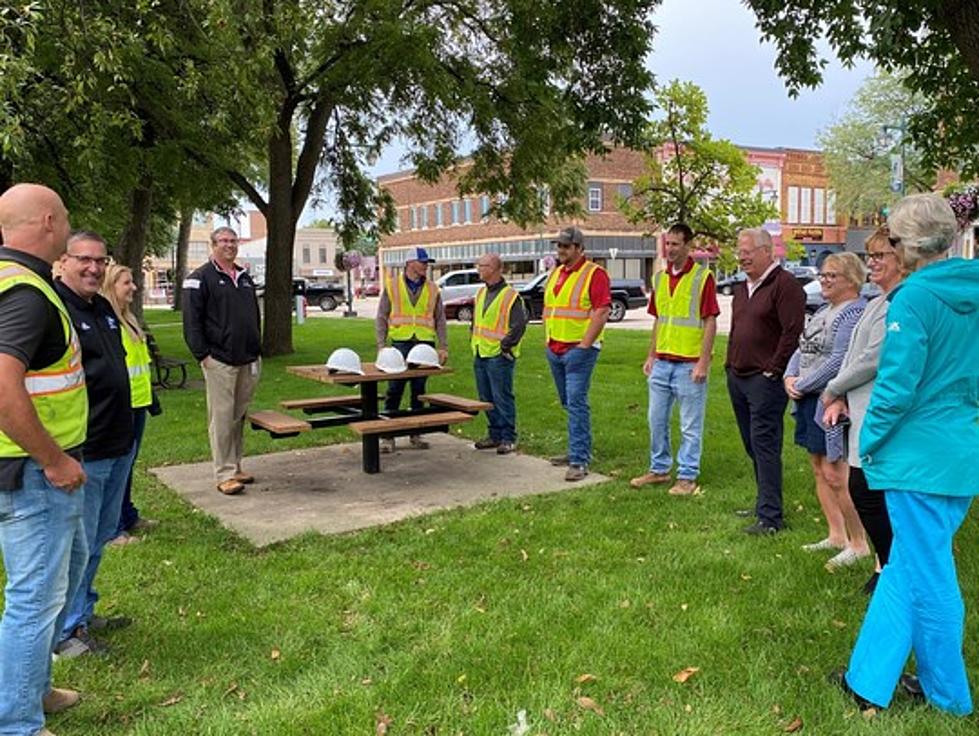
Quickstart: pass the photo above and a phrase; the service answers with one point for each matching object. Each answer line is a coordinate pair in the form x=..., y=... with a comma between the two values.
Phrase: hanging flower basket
x=965, y=205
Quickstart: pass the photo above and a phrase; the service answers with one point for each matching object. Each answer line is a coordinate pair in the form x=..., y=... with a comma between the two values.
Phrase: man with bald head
x=43, y=419
x=499, y=321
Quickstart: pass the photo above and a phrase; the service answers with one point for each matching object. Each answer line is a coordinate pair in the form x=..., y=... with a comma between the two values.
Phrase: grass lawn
x=578, y=607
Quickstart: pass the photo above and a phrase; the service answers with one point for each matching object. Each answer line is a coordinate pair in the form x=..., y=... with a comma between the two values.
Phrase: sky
x=714, y=43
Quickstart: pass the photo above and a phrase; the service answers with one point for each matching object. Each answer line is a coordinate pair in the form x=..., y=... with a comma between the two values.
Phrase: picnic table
x=361, y=414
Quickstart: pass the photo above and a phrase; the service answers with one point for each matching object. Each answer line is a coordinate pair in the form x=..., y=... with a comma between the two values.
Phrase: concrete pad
x=323, y=489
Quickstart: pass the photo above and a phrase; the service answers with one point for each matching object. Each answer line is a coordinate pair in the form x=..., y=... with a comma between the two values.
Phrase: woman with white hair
x=918, y=443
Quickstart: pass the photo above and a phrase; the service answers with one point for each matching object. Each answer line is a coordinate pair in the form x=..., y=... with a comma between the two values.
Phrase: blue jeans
x=917, y=606
x=670, y=381
x=572, y=377
x=44, y=554
x=129, y=514
x=494, y=382
x=103, y=498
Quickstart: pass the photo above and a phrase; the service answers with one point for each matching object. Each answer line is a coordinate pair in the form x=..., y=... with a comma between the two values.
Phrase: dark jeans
x=494, y=382
x=759, y=407
x=872, y=510
x=130, y=514
x=572, y=377
x=396, y=388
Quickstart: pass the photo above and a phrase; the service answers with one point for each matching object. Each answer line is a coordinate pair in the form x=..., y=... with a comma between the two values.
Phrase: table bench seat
x=459, y=403
x=409, y=424
x=278, y=424
x=323, y=403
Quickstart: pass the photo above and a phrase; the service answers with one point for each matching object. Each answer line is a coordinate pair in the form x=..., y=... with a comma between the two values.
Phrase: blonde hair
x=124, y=314
x=924, y=225
x=850, y=266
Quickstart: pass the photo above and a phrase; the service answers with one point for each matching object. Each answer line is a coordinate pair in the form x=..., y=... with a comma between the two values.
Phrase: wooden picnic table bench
x=460, y=403
x=278, y=424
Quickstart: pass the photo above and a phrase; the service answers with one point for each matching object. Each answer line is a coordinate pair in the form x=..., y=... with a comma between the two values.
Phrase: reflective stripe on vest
x=138, y=365
x=567, y=313
x=57, y=391
x=491, y=327
x=679, y=327
x=408, y=320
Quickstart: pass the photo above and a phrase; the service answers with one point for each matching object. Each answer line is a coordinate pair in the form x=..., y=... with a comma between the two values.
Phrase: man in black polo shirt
x=110, y=422
x=43, y=415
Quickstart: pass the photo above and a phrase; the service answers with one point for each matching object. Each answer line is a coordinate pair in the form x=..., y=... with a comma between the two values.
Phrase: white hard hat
x=423, y=356
x=344, y=360
x=390, y=360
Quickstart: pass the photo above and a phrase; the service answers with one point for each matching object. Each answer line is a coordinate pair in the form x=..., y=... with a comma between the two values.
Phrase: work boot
x=417, y=442
x=650, y=479
x=59, y=700
x=487, y=443
x=576, y=473
x=387, y=445
x=684, y=487
x=559, y=460
x=505, y=448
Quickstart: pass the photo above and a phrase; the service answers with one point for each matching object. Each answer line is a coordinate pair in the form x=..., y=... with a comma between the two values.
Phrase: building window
x=624, y=190
x=456, y=212
x=322, y=255
x=544, y=198
x=411, y=218
x=793, y=207
x=831, y=207
x=484, y=207
x=805, y=205
x=438, y=215
x=423, y=218
x=305, y=255
x=467, y=210
x=594, y=197
x=819, y=206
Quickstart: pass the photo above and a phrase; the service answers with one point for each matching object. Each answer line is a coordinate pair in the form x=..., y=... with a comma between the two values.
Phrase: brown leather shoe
x=684, y=487
x=244, y=478
x=650, y=479
x=230, y=487
x=59, y=699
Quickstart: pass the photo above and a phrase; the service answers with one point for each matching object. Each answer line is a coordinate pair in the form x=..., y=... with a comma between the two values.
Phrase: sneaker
x=684, y=487
x=79, y=644
x=912, y=687
x=122, y=539
x=847, y=557
x=822, y=544
x=108, y=623
x=505, y=448
x=387, y=445
x=487, y=443
x=838, y=678
x=761, y=529
x=418, y=443
x=575, y=473
x=230, y=487
x=650, y=479
x=59, y=700
x=559, y=460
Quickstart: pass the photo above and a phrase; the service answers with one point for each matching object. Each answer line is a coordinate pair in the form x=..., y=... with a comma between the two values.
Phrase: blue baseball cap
x=418, y=254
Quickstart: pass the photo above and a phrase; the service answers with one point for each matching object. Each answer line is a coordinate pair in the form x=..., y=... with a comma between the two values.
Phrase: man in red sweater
x=768, y=314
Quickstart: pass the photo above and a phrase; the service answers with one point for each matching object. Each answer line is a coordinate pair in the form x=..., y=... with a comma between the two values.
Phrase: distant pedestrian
x=684, y=303
x=767, y=315
x=43, y=419
x=499, y=322
x=410, y=313
x=222, y=328
x=577, y=301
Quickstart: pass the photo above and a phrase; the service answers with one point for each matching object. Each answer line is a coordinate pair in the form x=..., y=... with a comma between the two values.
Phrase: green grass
x=452, y=623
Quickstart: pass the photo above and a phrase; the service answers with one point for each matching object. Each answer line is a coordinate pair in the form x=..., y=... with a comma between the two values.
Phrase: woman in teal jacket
x=918, y=442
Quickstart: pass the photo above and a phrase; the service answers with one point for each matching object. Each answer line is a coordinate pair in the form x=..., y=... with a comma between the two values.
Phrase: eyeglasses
x=828, y=276
x=879, y=256
x=227, y=241
x=895, y=242
x=101, y=261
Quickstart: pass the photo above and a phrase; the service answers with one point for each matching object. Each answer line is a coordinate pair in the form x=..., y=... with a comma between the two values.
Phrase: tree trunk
x=961, y=20
x=180, y=263
x=277, y=335
x=132, y=245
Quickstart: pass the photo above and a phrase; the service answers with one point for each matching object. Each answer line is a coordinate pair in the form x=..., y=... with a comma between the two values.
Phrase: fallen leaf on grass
x=550, y=715
x=524, y=555
x=381, y=722
x=172, y=700
x=624, y=604
x=794, y=725
x=745, y=576
x=869, y=713
x=839, y=624
x=683, y=606
x=588, y=704
x=685, y=674
x=276, y=654
x=231, y=688
x=144, y=671
x=582, y=679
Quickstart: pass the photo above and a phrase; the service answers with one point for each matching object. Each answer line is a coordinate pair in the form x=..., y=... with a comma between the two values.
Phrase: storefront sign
x=807, y=233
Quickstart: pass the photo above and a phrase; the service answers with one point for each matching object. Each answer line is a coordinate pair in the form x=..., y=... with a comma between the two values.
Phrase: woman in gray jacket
x=848, y=394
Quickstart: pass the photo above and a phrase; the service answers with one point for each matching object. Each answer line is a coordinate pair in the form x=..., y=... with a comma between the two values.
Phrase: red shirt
x=708, y=301
x=599, y=292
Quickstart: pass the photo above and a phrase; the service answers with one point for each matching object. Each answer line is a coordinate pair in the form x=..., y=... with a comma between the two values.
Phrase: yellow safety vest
x=491, y=327
x=138, y=365
x=679, y=327
x=57, y=391
x=567, y=313
x=408, y=320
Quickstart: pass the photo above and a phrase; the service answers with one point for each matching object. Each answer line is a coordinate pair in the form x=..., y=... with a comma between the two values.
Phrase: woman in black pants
x=848, y=394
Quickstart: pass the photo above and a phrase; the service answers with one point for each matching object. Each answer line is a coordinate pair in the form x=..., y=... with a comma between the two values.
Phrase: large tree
x=933, y=43
x=858, y=146
x=323, y=86
x=692, y=177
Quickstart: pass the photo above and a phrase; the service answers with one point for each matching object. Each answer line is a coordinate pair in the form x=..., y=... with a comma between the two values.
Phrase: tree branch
x=309, y=157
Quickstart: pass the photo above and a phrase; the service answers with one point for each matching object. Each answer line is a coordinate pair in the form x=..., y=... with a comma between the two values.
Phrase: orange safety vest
x=491, y=327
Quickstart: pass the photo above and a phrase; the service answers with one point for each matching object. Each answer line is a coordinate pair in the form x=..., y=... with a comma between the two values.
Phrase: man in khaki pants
x=221, y=327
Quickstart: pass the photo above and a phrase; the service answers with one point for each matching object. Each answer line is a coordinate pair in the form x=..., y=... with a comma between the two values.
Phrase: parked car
x=803, y=274
x=372, y=288
x=455, y=284
x=460, y=308
x=726, y=285
x=324, y=295
x=626, y=294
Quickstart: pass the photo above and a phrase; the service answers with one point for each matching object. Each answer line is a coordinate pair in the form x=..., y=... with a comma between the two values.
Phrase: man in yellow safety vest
x=684, y=303
x=499, y=322
x=43, y=420
x=577, y=298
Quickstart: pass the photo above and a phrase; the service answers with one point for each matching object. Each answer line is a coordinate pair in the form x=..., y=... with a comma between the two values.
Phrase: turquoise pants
x=917, y=606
